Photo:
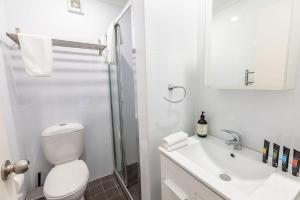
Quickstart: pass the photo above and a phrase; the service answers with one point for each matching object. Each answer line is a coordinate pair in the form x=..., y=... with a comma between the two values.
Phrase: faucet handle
x=236, y=135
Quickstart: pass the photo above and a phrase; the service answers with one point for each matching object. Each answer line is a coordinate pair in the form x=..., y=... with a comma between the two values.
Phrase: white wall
x=171, y=47
x=257, y=115
x=78, y=89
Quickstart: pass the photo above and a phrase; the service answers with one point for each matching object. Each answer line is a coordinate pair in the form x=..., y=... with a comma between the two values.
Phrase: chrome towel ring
x=172, y=87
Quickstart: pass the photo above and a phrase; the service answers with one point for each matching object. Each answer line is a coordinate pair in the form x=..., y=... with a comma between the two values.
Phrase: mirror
x=252, y=44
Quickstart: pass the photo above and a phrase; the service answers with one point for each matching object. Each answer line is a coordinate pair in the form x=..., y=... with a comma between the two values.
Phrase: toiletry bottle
x=266, y=151
x=276, y=149
x=296, y=163
x=285, y=159
x=202, y=126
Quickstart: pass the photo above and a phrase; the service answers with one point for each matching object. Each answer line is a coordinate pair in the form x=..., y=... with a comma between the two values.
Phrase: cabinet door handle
x=247, y=82
x=180, y=194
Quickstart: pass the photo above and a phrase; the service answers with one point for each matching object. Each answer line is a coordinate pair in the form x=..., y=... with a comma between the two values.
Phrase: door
x=117, y=118
x=123, y=102
x=7, y=188
x=128, y=94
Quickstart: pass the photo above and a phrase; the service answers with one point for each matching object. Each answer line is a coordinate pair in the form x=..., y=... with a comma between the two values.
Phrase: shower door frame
x=120, y=104
x=121, y=180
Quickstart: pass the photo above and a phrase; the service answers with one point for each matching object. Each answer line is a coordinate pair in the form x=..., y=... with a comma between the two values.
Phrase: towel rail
x=65, y=43
x=172, y=87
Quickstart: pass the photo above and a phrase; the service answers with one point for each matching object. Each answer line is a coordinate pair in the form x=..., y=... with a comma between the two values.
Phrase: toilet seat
x=66, y=180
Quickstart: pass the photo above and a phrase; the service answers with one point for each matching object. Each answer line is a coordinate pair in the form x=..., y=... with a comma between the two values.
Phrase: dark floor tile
x=136, y=197
x=112, y=193
x=120, y=189
x=95, y=190
x=135, y=191
x=88, y=198
x=132, y=191
x=132, y=174
x=94, y=183
x=108, y=184
x=115, y=179
x=87, y=194
x=122, y=197
x=108, y=177
x=99, y=196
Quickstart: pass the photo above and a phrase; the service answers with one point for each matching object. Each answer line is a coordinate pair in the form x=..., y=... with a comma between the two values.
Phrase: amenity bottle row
x=285, y=157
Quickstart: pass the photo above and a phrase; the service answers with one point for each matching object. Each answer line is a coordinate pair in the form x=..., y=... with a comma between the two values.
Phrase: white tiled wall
x=171, y=35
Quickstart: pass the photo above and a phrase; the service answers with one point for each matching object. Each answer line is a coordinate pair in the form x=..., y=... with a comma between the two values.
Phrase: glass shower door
x=123, y=101
x=117, y=121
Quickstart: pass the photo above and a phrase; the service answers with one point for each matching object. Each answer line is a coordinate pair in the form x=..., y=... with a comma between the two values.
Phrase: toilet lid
x=66, y=179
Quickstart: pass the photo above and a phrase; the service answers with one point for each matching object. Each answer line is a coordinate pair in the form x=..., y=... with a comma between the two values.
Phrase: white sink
x=206, y=159
x=245, y=172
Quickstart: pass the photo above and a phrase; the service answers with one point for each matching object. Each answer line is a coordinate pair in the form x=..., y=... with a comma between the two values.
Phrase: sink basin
x=234, y=174
x=247, y=173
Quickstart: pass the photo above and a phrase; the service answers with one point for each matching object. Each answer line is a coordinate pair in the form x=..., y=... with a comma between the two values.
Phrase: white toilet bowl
x=67, y=181
x=63, y=145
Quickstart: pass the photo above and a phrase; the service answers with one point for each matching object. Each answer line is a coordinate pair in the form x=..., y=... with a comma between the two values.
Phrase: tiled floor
x=135, y=192
x=106, y=188
x=133, y=174
x=134, y=187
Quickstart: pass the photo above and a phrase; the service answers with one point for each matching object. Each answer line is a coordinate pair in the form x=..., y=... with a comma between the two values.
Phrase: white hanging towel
x=109, y=52
x=37, y=54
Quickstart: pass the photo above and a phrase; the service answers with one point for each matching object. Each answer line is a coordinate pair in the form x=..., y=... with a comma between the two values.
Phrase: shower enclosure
x=123, y=107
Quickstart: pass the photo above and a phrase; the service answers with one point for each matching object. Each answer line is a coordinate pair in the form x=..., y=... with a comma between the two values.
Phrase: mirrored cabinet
x=252, y=44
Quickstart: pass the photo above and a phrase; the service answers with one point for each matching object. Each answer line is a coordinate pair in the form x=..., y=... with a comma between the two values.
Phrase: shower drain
x=225, y=177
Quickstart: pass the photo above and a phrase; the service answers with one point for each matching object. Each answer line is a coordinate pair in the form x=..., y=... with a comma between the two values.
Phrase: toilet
x=63, y=145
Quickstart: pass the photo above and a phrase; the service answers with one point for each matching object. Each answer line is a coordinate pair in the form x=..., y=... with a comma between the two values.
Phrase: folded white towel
x=175, y=146
x=175, y=138
x=109, y=51
x=37, y=54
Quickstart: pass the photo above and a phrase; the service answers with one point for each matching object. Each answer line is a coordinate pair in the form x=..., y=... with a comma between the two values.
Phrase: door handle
x=19, y=167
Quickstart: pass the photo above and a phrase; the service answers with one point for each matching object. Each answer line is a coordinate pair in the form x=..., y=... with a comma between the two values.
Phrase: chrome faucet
x=236, y=142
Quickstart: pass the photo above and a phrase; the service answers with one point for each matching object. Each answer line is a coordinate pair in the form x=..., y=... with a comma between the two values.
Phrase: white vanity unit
x=208, y=169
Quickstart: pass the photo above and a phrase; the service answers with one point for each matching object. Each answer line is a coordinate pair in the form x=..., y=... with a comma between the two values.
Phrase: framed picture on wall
x=75, y=6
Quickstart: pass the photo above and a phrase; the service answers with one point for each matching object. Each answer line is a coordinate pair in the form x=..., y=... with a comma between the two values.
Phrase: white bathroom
x=149, y=99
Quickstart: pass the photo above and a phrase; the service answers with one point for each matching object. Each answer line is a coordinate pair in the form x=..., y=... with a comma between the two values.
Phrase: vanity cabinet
x=177, y=184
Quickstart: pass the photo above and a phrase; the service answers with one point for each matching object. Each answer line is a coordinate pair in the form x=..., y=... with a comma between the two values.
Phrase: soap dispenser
x=202, y=126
